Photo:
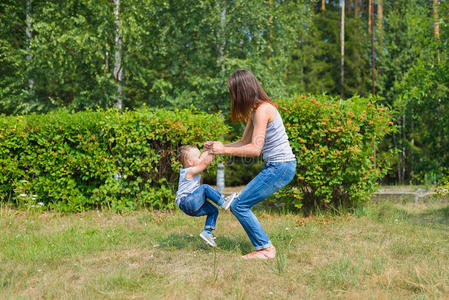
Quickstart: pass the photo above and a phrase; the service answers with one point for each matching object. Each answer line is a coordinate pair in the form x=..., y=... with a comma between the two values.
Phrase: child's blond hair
x=183, y=153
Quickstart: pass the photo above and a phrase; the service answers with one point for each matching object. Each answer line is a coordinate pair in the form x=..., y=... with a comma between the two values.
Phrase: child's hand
x=208, y=145
x=203, y=162
x=217, y=148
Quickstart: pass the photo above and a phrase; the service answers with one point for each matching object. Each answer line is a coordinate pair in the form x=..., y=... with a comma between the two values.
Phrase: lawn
x=384, y=250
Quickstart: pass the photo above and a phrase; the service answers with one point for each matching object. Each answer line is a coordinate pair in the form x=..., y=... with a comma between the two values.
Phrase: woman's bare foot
x=267, y=253
x=270, y=252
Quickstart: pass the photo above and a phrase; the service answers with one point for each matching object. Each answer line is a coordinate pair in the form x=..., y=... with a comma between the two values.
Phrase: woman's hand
x=215, y=147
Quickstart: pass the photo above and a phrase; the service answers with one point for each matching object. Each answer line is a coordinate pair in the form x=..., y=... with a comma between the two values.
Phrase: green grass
x=395, y=251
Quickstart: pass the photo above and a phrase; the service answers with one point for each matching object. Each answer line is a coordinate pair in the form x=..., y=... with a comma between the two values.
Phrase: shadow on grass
x=184, y=241
x=437, y=218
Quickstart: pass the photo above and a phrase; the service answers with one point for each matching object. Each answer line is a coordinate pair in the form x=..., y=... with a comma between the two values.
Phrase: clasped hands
x=216, y=148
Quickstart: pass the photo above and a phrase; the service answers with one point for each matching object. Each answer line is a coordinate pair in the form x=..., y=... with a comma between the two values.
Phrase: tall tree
x=436, y=26
x=370, y=14
x=221, y=36
x=356, y=8
x=371, y=23
x=29, y=37
x=380, y=19
x=342, y=48
x=380, y=13
x=118, y=65
x=436, y=21
x=323, y=7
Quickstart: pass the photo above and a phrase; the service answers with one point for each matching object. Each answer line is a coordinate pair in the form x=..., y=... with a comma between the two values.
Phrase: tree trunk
x=380, y=14
x=106, y=54
x=106, y=58
x=29, y=37
x=342, y=49
x=436, y=24
x=118, y=68
x=349, y=6
x=356, y=8
x=370, y=13
x=221, y=37
x=403, y=154
x=371, y=9
x=323, y=7
x=380, y=21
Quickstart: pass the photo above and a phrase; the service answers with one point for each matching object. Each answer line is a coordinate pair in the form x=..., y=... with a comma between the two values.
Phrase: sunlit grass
x=380, y=251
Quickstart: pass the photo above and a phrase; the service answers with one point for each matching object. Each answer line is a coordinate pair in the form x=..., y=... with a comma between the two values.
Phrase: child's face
x=193, y=157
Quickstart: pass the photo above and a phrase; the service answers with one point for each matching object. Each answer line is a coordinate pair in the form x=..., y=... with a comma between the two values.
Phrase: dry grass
x=384, y=251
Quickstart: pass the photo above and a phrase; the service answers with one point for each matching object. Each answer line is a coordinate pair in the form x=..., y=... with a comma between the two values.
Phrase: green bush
x=334, y=142
x=74, y=162
x=238, y=170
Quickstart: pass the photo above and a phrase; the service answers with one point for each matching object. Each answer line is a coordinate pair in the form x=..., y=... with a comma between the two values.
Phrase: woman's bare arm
x=246, y=138
x=252, y=149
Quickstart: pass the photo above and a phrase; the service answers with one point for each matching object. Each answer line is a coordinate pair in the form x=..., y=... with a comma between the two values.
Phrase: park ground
x=384, y=250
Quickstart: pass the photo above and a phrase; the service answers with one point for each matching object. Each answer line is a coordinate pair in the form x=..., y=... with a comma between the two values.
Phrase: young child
x=192, y=196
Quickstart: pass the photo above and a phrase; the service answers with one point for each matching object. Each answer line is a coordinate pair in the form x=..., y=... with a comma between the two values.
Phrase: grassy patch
x=398, y=251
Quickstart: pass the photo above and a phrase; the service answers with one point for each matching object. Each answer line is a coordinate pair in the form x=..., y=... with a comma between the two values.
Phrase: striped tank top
x=276, y=147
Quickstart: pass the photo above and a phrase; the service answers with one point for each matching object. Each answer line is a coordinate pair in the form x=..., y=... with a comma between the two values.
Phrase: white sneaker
x=208, y=238
x=228, y=201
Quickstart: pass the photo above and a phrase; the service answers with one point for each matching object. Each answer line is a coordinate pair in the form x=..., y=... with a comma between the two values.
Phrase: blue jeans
x=196, y=204
x=274, y=176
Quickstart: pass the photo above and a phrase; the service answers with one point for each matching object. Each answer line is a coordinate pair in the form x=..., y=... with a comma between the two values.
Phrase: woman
x=264, y=133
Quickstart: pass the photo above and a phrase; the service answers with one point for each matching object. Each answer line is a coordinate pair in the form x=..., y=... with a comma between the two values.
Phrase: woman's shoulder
x=267, y=108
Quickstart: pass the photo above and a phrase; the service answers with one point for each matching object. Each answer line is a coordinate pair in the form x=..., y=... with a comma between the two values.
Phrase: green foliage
x=442, y=190
x=315, y=62
x=238, y=170
x=73, y=162
x=179, y=53
x=334, y=142
x=175, y=53
x=413, y=78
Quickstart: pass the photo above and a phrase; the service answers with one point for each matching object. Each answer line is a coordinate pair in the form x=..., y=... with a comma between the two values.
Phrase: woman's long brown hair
x=247, y=94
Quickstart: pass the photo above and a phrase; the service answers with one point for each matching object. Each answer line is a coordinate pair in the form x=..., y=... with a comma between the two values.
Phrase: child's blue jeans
x=274, y=176
x=196, y=204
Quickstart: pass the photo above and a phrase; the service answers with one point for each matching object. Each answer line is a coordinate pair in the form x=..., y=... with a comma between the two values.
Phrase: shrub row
x=334, y=142
x=74, y=162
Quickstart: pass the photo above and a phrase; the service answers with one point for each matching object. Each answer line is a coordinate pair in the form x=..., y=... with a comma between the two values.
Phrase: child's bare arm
x=205, y=159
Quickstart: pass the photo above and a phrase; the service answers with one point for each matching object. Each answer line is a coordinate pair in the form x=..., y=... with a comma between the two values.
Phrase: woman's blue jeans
x=196, y=204
x=274, y=176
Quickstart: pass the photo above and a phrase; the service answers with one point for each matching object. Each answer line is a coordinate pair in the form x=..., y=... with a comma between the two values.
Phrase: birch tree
x=29, y=38
x=222, y=37
x=118, y=67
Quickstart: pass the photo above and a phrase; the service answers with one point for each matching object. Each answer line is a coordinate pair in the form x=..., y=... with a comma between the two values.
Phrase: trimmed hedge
x=334, y=142
x=73, y=162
